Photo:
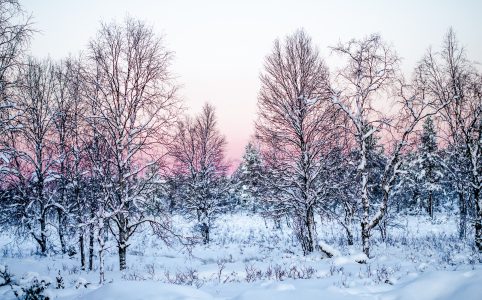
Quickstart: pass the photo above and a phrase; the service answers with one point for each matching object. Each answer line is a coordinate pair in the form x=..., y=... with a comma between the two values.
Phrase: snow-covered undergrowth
x=249, y=258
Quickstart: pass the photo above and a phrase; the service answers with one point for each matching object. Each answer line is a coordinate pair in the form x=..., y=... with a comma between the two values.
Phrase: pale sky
x=220, y=45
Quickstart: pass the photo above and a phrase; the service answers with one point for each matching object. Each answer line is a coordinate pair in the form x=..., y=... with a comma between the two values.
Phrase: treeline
x=97, y=146
x=363, y=142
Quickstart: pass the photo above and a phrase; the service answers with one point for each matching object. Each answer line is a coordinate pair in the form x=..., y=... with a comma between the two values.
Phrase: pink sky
x=220, y=45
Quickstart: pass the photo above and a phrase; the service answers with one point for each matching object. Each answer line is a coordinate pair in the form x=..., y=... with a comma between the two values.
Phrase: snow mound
x=354, y=258
x=141, y=290
x=441, y=285
x=328, y=249
x=295, y=290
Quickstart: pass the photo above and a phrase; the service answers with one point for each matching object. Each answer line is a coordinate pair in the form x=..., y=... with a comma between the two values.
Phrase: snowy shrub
x=6, y=251
x=5, y=277
x=334, y=269
x=137, y=252
x=189, y=277
x=31, y=287
x=303, y=272
x=344, y=280
x=368, y=272
x=71, y=251
x=272, y=272
x=151, y=270
x=232, y=277
x=81, y=283
x=133, y=276
x=221, y=265
x=279, y=273
x=71, y=269
x=269, y=272
x=422, y=267
x=474, y=258
x=10, y=250
x=384, y=274
x=252, y=273
x=59, y=281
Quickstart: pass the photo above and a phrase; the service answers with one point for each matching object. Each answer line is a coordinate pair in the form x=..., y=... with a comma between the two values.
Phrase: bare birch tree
x=295, y=127
x=134, y=106
x=32, y=144
x=69, y=109
x=198, y=151
x=371, y=74
x=15, y=33
x=449, y=77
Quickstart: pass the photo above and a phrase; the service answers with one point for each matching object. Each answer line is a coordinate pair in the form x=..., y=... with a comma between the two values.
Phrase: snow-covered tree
x=371, y=69
x=341, y=199
x=423, y=171
x=133, y=108
x=450, y=77
x=457, y=176
x=249, y=179
x=69, y=138
x=33, y=148
x=370, y=66
x=429, y=165
x=65, y=136
x=198, y=152
x=296, y=127
x=15, y=32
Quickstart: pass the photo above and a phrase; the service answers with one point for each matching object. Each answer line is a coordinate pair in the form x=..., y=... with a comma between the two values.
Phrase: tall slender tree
x=134, y=106
x=15, y=33
x=295, y=128
x=198, y=152
x=429, y=164
x=33, y=148
x=449, y=77
x=371, y=69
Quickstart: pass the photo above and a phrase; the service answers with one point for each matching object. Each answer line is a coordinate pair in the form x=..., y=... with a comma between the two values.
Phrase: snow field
x=249, y=259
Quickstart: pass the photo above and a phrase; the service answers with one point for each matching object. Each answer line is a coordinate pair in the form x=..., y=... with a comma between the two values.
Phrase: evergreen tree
x=429, y=165
x=249, y=178
x=375, y=164
x=407, y=191
x=423, y=171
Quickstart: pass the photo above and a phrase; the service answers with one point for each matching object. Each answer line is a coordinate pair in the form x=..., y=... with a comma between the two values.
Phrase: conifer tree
x=249, y=177
x=429, y=165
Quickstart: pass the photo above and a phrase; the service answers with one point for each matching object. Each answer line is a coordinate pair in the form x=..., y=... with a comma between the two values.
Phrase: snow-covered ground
x=249, y=259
